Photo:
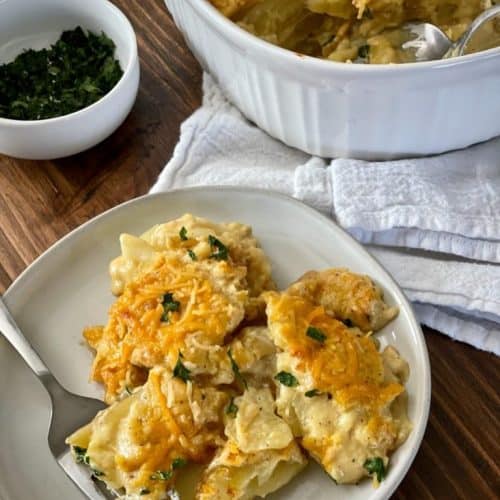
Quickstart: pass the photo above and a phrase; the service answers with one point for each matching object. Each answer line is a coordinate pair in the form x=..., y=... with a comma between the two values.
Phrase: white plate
x=67, y=288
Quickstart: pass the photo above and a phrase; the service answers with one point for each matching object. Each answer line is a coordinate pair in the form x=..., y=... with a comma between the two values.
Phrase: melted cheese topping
x=235, y=475
x=211, y=297
x=134, y=439
x=358, y=410
x=346, y=296
x=252, y=350
x=345, y=364
x=140, y=254
x=342, y=438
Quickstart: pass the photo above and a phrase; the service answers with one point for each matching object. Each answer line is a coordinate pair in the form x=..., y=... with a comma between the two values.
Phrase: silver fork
x=68, y=411
x=430, y=43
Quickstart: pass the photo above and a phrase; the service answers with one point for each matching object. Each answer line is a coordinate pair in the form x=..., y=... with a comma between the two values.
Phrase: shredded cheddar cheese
x=211, y=298
x=154, y=429
x=347, y=296
x=346, y=364
x=342, y=404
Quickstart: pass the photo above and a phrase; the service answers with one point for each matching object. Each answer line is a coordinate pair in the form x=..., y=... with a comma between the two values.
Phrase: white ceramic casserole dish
x=345, y=110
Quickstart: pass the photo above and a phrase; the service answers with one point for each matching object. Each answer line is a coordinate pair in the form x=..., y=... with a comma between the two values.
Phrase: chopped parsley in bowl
x=73, y=94
x=75, y=72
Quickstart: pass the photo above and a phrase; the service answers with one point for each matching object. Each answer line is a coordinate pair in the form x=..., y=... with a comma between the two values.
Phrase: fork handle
x=460, y=45
x=13, y=334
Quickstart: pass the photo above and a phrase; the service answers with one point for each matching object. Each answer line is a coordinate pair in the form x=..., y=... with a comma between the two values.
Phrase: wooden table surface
x=42, y=201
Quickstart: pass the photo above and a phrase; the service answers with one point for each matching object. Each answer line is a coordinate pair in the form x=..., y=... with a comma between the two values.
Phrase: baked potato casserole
x=361, y=31
x=221, y=386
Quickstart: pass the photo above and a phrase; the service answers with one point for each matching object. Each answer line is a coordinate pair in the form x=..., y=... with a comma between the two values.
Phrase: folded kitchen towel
x=434, y=223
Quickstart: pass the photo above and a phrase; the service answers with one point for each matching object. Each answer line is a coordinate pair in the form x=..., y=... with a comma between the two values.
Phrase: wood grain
x=42, y=201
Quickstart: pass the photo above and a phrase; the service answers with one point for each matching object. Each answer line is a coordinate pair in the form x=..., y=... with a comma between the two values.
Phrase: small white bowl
x=37, y=24
x=335, y=109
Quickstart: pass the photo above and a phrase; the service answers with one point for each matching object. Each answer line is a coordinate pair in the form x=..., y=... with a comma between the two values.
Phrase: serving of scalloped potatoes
x=360, y=31
x=205, y=364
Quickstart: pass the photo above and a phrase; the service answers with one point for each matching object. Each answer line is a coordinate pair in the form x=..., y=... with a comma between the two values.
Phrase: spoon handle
x=459, y=47
x=13, y=334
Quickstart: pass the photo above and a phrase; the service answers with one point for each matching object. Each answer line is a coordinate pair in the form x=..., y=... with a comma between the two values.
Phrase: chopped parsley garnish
x=169, y=305
x=144, y=491
x=180, y=371
x=312, y=393
x=178, y=463
x=183, y=234
x=316, y=334
x=162, y=475
x=364, y=52
x=347, y=322
x=83, y=458
x=236, y=370
x=221, y=252
x=81, y=455
x=287, y=379
x=376, y=466
x=232, y=409
x=192, y=255
x=75, y=72
x=165, y=475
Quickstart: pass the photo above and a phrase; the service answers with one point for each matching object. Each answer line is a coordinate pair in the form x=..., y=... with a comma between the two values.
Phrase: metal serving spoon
x=68, y=411
x=431, y=43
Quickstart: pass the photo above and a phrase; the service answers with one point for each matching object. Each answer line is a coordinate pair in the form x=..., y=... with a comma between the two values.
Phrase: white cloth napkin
x=434, y=223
